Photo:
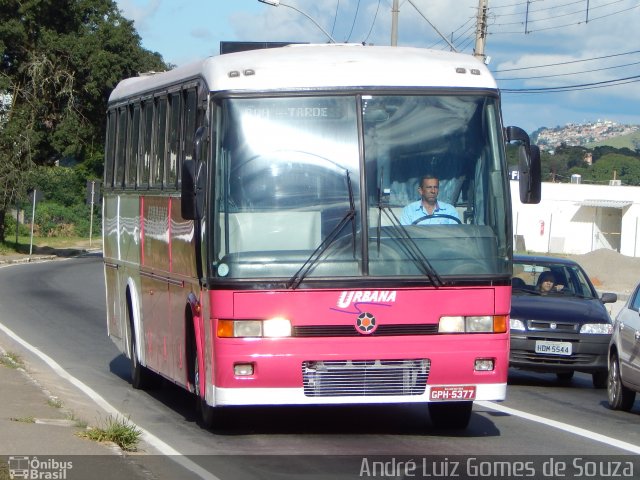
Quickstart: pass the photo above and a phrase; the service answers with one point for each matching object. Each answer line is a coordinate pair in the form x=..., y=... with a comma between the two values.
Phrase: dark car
x=558, y=323
x=624, y=361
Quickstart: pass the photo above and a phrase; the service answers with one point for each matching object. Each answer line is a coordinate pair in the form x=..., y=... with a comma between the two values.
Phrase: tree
x=59, y=60
x=627, y=169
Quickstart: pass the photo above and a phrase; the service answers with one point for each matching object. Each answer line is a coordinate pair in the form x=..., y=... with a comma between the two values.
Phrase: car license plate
x=459, y=392
x=553, y=348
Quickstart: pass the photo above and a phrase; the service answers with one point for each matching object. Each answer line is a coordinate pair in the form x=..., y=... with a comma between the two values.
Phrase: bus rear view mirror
x=530, y=176
x=529, y=170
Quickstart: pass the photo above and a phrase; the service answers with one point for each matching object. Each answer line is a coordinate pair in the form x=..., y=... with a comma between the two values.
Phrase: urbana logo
x=359, y=296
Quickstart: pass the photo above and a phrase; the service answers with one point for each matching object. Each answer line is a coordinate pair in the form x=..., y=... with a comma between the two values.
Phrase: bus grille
x=341, y=378
x=350, y=330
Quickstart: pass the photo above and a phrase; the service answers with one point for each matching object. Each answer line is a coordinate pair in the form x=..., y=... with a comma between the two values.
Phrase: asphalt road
x=59, y=307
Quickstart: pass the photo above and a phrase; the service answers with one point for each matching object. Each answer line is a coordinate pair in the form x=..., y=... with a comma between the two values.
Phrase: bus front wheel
x=206, y=413
x=450, y=415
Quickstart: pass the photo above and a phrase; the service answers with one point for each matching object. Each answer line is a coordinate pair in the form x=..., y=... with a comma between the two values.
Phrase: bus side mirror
x=530, y=177
x=528, y=165
x=194, y=180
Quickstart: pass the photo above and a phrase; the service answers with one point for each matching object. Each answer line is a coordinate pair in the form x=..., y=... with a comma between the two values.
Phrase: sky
x=555, y=61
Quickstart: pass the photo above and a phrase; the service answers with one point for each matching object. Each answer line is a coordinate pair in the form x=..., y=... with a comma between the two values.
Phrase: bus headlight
x=277, y=327
x=273, y=328
x=473, y=324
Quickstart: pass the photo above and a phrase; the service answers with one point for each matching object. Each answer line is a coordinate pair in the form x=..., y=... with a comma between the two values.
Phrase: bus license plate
x=553, y=348
x=460, y=392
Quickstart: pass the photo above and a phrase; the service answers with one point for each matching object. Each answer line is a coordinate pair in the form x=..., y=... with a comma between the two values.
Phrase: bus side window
x=144, y=168
x=173, y=134
x=109, y=158
x=121, y=148
x=160, y=121
x=133, y=151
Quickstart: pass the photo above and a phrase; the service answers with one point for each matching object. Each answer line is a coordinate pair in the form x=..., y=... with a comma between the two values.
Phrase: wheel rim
x=613, y=386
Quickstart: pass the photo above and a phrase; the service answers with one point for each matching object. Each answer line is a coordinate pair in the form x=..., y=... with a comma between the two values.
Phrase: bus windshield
x=314, y=187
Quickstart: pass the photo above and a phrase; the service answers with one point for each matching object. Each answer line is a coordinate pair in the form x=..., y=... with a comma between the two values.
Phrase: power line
x=567, y=24
x=373, y=22
x=335, y=17
x=567, y=62
x=571, y=73
x=355, y=17
x=534, y=11
x=572, y=88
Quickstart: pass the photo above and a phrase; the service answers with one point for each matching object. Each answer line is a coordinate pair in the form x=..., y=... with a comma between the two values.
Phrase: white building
x=575, y=218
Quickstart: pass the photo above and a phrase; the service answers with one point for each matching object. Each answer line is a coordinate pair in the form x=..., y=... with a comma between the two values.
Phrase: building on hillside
x=575, y=218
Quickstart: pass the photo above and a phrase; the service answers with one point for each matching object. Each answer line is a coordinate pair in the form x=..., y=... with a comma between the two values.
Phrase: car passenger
x=546, y=283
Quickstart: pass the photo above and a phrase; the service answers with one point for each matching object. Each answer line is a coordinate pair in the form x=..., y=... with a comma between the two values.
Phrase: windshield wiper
x=410, y=247
x=302, y=272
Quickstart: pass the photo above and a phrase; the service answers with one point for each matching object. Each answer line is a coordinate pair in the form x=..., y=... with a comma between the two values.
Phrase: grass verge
x=11, y=360
x=117, y=430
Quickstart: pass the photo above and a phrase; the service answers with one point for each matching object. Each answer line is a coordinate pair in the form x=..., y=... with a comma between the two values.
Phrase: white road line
x=562, y=426
x=148, y=437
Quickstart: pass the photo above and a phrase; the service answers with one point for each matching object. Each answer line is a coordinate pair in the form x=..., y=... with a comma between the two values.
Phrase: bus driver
x=428, y=210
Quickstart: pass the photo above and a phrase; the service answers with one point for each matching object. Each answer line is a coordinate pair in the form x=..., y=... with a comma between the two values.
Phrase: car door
x=630, y=340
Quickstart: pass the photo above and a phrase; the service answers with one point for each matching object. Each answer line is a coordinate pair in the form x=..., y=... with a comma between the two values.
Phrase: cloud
x=142, y=13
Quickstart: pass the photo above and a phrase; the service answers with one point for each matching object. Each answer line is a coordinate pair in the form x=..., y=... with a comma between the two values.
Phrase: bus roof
x=316, y=66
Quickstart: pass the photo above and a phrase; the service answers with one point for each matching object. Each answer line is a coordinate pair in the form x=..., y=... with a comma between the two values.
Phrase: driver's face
x=429, y=190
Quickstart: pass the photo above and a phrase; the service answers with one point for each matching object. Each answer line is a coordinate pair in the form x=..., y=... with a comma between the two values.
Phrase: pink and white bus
x=253, y=247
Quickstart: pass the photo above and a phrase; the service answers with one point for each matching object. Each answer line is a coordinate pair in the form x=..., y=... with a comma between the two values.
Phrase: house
x=576, y=218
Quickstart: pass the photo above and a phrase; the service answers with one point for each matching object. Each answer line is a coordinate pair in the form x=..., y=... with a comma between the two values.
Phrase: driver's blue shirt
x=415, y=211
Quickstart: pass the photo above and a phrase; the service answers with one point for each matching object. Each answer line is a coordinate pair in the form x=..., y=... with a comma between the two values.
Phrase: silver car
x=624, y=355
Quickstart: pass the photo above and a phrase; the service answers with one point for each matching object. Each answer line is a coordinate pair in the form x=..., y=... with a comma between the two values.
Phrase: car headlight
x=473, y=324
x=597, y=328
x=516, y=324
x=273, y=327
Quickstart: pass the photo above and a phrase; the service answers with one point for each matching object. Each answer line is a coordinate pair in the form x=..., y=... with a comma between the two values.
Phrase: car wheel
x=450, y=415
x=599, y=379
x=565, y=376
x=619, y=396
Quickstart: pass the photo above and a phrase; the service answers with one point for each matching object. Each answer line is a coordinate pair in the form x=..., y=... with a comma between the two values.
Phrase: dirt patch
x=610, y=271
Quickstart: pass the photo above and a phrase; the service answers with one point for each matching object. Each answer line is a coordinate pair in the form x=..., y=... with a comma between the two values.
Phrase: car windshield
x=543, y=278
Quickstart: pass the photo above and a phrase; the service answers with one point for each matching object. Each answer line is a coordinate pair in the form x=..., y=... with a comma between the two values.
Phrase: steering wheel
x=427, y=217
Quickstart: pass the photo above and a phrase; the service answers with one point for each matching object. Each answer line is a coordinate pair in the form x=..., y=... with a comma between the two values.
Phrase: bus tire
x=206, y=413
x=141, y=377
x=450, y=415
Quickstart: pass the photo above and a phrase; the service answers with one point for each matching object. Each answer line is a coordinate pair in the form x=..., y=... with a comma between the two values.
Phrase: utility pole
x=481, y=30
x=395, y=9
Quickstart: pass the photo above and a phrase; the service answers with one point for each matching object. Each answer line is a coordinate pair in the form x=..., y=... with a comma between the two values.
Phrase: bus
x=252, y=242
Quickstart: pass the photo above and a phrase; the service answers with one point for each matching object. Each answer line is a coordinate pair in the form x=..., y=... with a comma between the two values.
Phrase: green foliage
x=62, y=185
x=117, y=430
x=610, y=166
x=55, y=220
x=59, y=60
x=606, y=160
x=10, y=228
